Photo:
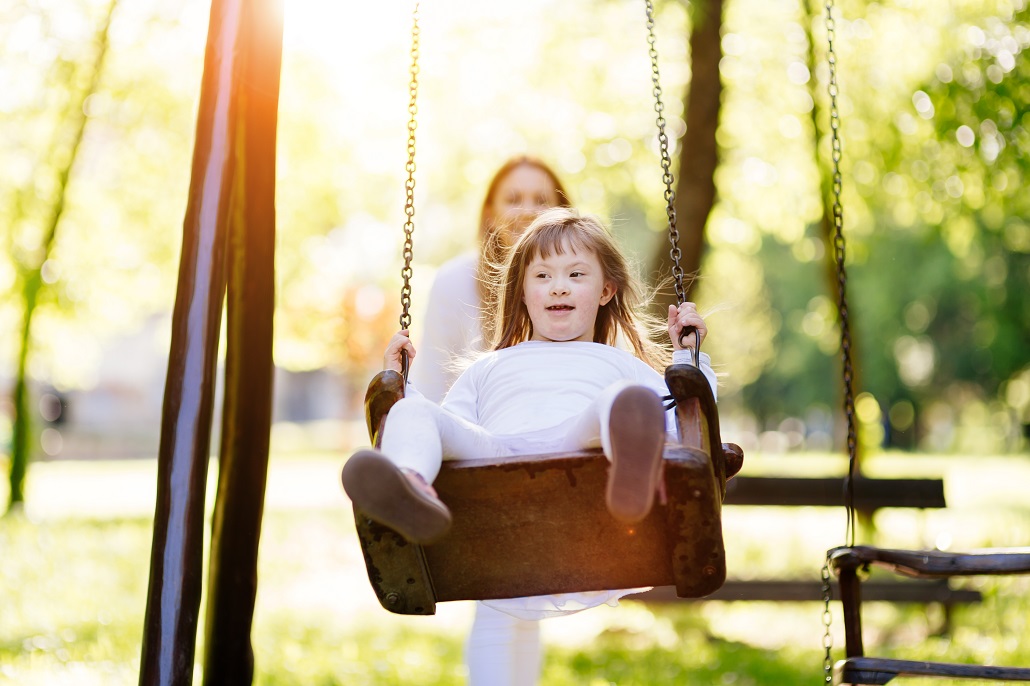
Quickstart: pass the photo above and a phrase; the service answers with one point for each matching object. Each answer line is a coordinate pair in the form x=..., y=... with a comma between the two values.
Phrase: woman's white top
x=451, y=329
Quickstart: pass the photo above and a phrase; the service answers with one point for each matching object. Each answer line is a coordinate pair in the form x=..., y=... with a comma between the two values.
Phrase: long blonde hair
x=553, y=232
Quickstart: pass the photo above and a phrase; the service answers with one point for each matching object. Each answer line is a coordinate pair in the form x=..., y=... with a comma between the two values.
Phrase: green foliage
x=115, y=258
x=934, y=217
x=934, y=214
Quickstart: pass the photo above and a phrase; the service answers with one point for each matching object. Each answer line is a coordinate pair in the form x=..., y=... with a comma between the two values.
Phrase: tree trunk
x=32, y=280
x=836, y=279
x=699, y=154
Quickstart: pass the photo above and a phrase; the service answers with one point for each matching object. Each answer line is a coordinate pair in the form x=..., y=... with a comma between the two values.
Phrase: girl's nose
x=558, y=287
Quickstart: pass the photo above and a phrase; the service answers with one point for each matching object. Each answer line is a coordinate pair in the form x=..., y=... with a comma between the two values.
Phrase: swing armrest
x=933, y=564
x=734, y=456
x=385, y=389
x=697, y=420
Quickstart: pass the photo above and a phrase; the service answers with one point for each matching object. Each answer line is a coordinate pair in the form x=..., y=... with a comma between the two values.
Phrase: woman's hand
x=680, y=318
x=399, y=342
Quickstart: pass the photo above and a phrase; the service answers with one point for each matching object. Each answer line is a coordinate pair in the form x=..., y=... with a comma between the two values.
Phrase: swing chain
x=839, y=254
x=409, y=185
x=663, y=144
x=827, y=622
x=845, y=335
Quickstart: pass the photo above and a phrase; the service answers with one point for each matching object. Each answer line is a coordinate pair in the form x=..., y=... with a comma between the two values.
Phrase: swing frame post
x=228, y=243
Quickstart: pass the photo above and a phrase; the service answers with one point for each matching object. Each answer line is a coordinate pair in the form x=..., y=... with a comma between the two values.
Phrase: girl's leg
x=411, y=437
x=420, y=434
x=503, y=650
x=628, y=421
x=591, y=428
x=392, y=487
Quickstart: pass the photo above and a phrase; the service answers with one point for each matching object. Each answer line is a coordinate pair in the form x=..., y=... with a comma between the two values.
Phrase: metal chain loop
x=667, y=178
x=827, y=622
x=409, y=185
x=842, y=278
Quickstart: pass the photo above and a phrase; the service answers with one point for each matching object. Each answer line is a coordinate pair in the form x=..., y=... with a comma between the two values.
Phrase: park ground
x=74, y=566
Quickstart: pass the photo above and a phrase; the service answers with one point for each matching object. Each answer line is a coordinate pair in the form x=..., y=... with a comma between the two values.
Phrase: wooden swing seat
x=849, y=562
x=538, y=524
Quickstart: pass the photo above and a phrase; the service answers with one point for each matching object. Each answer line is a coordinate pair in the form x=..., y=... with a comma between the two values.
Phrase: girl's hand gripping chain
x=682, y=317
x=392, y=357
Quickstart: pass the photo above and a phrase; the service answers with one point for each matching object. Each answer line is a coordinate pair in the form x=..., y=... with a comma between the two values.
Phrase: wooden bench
x=871, y=494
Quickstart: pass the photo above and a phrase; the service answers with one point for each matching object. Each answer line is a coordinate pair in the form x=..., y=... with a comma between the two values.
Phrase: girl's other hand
x=680, y=318
x=399, y=342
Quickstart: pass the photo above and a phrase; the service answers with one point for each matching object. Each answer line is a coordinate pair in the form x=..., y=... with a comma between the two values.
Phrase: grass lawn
x=74, y=566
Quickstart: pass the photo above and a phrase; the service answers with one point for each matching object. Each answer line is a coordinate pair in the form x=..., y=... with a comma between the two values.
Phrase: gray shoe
x=637, y=430
x=384, y=492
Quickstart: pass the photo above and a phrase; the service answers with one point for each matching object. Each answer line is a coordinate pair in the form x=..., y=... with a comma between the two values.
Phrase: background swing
x=554, y=534
x=851, y=562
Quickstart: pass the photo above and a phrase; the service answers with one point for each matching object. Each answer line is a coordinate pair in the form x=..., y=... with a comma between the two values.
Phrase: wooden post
x=247, y=410
x=215, y=200
x=851, y=600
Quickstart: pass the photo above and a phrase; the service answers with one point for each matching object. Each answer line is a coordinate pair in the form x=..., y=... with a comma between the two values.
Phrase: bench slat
x=872, y=670
x=870, y=494
x=803, y=590
x=934, y=564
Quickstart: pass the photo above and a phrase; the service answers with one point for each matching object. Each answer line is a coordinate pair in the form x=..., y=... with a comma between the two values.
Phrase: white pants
x=503, y=650
x=420, y=434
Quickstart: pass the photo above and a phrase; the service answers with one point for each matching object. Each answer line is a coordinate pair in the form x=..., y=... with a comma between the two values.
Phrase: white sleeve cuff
x=685, y=356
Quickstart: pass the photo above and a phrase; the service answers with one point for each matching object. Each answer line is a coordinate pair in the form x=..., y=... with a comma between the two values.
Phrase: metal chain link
x=409, y=191
x=663, y=142
x=842, y=278
x=827, y=623
x=845, y=336
x=409, y=185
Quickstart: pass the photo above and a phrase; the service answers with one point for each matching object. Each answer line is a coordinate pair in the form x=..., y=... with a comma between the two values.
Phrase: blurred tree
x=699, y=155
x=935, y=152
x=32, y=262
x=953, y=210
x=569, y=82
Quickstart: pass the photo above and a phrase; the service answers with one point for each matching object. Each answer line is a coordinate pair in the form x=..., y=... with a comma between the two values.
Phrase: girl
x=453, y=322
x=554, y=381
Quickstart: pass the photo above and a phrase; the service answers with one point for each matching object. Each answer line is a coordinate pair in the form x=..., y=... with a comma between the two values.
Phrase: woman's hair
x=486, y=222
x=494, y=236
x=621, y=319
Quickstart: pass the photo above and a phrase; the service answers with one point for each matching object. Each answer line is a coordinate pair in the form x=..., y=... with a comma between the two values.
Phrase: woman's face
x=522, y=194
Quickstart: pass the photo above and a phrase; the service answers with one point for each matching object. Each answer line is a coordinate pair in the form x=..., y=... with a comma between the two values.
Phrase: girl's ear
x=607, y=293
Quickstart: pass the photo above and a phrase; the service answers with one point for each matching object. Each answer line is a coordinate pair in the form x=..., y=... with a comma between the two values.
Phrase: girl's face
x=563, y=293
x=523, y=193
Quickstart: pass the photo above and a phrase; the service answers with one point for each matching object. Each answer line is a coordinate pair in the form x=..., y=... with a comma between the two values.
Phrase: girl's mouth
x=560, y=308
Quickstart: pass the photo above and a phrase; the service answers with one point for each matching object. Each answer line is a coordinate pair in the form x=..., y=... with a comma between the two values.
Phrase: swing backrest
x=537, y=525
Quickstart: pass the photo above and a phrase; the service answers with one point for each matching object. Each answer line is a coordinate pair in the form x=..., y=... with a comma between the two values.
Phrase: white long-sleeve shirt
x=534, y=387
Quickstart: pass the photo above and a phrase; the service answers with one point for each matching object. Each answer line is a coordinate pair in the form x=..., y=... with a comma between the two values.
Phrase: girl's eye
x=575, y=274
